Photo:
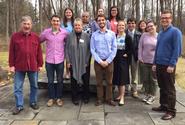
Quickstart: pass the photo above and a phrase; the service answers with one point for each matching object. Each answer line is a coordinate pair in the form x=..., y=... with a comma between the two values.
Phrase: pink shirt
x=113, y=24
x=54, y=45
x=147, y=46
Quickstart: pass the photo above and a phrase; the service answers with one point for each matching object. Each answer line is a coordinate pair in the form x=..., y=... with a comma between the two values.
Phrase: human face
x=121, y=26
x=26, y=26
x=131, y=25
x=85, y=18
x=101, y=22
x=55, y=23
x=100, y=12
x=166, y=20
x=78, y=26
x=68, y=14
x=142, y=26
x=151, y=28
x=114, y=12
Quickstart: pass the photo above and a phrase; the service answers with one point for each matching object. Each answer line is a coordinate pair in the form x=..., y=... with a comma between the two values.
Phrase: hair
x=57, y=16
x=166, y=12
x=26, y=18
x=65, y=19
x=77, y=20
x=151, y=21
x=100, y=16
x=85, y=12
x=139, y=29
x=132, y=19
x=117, y=16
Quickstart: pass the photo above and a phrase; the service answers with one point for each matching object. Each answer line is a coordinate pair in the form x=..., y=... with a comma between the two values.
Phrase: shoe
x=121, y=102
x=98, y=102
x=34, y=106
x=17, y=110
x=50, y=102
x=150, y=100
x=159, y=109
x=59, y=102
x=168, y=116
x=145, y=98
x=111, y=103
x=75, y=102
x=116, y=100
x=135, y=94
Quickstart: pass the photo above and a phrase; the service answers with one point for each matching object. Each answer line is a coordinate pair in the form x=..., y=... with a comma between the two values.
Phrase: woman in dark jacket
x=121, y=61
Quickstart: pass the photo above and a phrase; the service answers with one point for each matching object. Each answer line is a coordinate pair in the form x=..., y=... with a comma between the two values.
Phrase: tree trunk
x=7, y=21
x=40, y=15
x=162, y=5
x=52, y=5
x=137, y=10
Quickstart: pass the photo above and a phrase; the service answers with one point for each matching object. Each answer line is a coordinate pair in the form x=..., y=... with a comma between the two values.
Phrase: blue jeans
x=55, y=93
x=18, y=87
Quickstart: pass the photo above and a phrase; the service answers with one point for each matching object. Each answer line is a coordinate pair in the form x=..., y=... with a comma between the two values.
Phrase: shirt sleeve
x=11, y=59
x=42, y=36
x=140, y=48
x=39, y=55
x=113, y=49
x=93, y=49
x=177, y=47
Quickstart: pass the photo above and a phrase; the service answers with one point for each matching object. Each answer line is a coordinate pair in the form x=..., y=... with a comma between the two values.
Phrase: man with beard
x=103, y=49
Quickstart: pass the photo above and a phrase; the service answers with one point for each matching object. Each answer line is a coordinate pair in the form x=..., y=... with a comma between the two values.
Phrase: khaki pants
x=101, y=74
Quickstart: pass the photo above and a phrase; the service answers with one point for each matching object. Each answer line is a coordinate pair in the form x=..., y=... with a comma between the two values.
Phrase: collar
x=131, y=31
x=106, y=30
x=167, y=28
x=25, y=34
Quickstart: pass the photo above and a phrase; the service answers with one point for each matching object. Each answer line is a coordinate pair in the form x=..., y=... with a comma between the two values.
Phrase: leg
x=33, y=78
x=85, y=86
x=134, y=66
x=50, y=74
x=18, y=88
x=59, y=73
x=99, y=80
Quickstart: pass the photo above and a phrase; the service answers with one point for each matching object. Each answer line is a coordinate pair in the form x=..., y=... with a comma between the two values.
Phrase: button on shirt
x=54, y=45
x=25, y=53
x=103, y=46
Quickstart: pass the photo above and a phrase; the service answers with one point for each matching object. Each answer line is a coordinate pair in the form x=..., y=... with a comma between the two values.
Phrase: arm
x=39, y=57
x=93, y=49
x=140, y=49
x=113, y=48
x=11, y=59
x=88, y=49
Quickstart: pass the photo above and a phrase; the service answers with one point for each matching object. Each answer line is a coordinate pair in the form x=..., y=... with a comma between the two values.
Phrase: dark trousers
x=51, y=69
x=101, y=74
x=166, y=83
x=75, y=87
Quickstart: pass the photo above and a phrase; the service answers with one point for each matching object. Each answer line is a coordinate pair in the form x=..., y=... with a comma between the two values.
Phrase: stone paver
x=53, y=123
x=134, y=112
x=33, y=122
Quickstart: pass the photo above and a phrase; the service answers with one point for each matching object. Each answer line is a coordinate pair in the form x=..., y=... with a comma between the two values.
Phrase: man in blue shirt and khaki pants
x=169, y=43
x=103, y=49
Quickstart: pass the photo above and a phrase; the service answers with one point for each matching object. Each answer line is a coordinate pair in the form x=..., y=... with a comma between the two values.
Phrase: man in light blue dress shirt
x=103, y=49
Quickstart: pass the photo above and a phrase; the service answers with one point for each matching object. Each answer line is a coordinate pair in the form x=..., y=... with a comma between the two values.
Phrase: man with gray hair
x=25, y=57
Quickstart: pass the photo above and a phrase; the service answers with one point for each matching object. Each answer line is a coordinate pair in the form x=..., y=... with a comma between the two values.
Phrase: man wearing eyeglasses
x=169, y=43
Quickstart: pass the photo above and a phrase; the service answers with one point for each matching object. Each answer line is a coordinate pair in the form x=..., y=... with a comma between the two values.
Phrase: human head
x=142, y=26
x=55, y=22
x=151, y=27
x=85, y=17
x=100, y=11
x=131, y=24
x=78, y=25
x=101, y=20
x=121, y=26
x=68, y=16
x=166, y=18
x=26, y=24
x=114, y=13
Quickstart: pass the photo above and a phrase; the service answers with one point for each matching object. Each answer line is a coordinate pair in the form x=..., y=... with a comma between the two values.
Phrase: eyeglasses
x=165, y=18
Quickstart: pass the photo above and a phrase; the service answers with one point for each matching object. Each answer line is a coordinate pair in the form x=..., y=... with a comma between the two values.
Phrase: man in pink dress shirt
x=55, y=42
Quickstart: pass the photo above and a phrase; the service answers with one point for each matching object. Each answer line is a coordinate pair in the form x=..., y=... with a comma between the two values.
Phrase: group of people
x=119, y=53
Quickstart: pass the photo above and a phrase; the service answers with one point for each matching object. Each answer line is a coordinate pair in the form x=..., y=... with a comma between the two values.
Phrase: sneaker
x=59, y=102
x=34, y=106
x=145, y=98
x=150, y=100
x=50, y=102
x=17, y=110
